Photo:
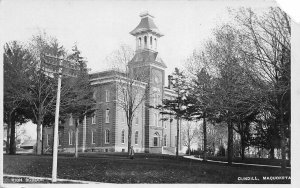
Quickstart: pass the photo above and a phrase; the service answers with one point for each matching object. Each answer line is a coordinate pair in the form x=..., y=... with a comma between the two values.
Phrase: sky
x=100, y=27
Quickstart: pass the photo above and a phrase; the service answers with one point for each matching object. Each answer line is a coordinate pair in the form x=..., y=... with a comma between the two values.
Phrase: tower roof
x=146, y=24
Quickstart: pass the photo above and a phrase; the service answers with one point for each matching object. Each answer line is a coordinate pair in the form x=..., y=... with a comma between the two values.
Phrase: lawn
x=117, y=168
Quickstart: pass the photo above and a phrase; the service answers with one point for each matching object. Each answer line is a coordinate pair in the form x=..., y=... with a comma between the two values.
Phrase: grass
x=145, y=168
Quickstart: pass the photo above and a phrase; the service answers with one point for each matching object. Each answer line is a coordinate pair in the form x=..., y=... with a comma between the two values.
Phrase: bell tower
x=148, y=67
x=146, y=33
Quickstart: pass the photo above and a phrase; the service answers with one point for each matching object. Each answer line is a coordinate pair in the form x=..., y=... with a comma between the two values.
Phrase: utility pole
x=63, y=66
x=1, y=126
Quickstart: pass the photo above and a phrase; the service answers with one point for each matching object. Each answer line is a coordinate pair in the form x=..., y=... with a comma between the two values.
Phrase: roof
x=148, y=56
x=146, y=24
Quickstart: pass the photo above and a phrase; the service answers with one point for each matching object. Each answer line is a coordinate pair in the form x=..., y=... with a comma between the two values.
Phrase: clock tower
x=149, y=67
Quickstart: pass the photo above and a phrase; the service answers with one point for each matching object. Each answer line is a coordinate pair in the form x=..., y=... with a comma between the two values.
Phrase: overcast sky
x=99, y=27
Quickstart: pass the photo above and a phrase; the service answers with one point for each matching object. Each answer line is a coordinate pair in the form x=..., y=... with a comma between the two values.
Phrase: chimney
x=170, y=82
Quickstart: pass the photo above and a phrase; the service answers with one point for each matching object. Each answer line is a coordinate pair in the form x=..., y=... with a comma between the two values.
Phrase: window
x=136, y=136
x=107, y=96
x=123, y=116
x=70, y=137
x=155, y=41
x=151, y=41
x=123, y=137
x=106, y=136
x=93, y=137
x=48, y=140
x=140, y=41
x=71, y=120
x=155, y=119
x=165, y=140
x=145, y=41
x=137, y=119
x=155, y=141
x=107, y=116
x=95, y=95
x=94, y=118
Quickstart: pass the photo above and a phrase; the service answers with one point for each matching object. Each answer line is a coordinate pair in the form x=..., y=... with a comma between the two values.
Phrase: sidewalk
x=32, y=179
x=246, y=164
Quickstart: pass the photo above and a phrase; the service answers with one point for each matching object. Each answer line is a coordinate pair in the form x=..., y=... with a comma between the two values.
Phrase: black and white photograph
x=148, y=92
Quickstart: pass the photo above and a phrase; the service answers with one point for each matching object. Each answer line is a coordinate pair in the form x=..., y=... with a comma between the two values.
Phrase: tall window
x=123, y=136
x=136, y=137
x=71, y=120
x=106, y=136
x=94, y=118
x=93, y=137
x=48, y=139
x=155, y=141
x=107, y=96
x=123, y=116
x=145, y=41
x=165, y=140
x=140, y=41
x=155, y=41
x=155, y=119
x=70, y=137
x=151, y=41
x=107, y=116
x=137, y=119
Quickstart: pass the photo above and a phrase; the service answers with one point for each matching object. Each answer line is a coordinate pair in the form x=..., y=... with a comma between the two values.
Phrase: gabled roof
x=146, y=24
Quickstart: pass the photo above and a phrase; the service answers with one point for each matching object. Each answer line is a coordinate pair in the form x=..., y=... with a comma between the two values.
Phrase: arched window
x=151, y=41
x=123, y=136
x=70, y=137
x=140, y=41
x=94, y=118
x=106, y=136
x=156, y=139
x=93, y=137
x=145, y=41
x=136, y=136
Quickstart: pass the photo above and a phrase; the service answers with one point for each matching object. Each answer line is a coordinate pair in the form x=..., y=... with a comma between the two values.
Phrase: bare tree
x=132, y=92
x=268, y=42
x=189, y=134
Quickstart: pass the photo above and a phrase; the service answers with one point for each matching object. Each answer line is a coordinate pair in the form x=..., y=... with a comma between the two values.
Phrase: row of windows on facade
x=107, y=138
x=157, y=118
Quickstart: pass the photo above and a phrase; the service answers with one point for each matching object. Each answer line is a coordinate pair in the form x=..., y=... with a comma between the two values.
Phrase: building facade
x=106, y=130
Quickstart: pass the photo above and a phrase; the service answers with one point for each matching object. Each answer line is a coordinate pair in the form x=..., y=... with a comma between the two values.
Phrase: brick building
x=106, y=130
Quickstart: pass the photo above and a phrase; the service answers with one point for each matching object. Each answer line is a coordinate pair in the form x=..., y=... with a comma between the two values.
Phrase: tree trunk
x=204, y=139
x=129, y=136
x=12, y=147
x=272, y=153
x=230, y=143
x=38, y=136
x=283, y=148
x=177, y=138
x=8, y=133
x=242, y=147
x=76, y=139
x=189, y=148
